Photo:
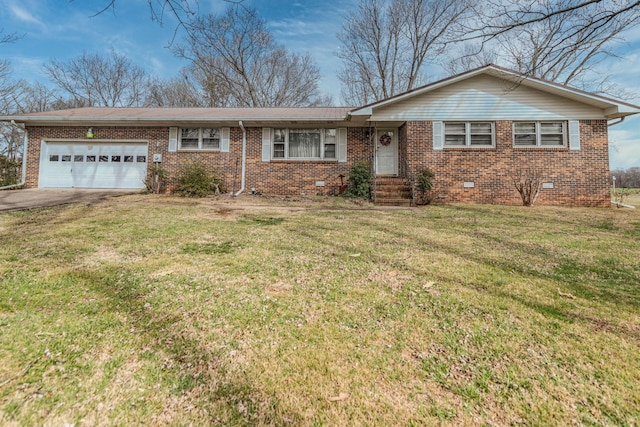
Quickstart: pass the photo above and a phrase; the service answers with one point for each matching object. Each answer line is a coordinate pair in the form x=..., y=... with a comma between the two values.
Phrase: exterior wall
x=580, y=177
x=285, y=177
x=295, y=177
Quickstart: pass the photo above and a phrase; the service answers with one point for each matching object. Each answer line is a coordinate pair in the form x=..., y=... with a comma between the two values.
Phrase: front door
x=387, y=152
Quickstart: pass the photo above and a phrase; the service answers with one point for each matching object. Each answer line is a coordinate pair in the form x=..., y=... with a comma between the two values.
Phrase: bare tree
x=181, y=91
x=563, y=48
x=34, y=97
x=236, y=56
x=469, y=56
x=386, y=46
x=9, y=37
x=627, y=178
x=7, y=88
x=557, y=40
x=100, y=81
x=528, y=183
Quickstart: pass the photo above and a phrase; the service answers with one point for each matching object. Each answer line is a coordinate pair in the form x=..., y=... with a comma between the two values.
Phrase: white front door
x=387, y=152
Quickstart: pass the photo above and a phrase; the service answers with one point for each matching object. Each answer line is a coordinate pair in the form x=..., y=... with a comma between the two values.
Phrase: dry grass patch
x=161, y=310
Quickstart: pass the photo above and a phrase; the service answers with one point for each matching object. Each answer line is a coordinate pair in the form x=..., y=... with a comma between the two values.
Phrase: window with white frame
x=304, y=144
x=200, y=139
x=539, y=134
x=468, y=134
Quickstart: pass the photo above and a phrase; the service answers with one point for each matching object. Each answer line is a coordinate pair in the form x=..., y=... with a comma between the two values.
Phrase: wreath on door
x=385, y=139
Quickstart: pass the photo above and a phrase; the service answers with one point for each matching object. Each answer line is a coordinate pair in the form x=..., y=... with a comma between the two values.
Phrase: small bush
x=424, y=185
x=359, y=182
x=156, y=181
x=196, y=180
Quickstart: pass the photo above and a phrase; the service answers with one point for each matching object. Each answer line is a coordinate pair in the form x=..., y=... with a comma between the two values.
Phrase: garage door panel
x=95, y=165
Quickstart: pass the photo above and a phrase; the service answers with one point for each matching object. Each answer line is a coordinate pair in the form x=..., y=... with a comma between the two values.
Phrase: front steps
x=392, y=191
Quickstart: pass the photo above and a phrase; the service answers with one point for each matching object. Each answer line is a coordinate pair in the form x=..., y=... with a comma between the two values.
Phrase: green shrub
x=359, y=182
x=196, y=180
x=424, y=185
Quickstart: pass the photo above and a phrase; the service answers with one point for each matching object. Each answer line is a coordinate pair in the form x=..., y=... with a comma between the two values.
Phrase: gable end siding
x=486, y=98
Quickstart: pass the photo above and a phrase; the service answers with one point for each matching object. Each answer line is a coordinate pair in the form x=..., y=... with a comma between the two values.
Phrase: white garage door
x=93, y=165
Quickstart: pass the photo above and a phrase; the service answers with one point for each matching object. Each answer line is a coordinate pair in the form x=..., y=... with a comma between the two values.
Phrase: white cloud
x=624, y=143
x=23, y=15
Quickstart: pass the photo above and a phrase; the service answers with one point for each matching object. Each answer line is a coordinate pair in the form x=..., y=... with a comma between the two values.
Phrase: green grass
x=161, y=310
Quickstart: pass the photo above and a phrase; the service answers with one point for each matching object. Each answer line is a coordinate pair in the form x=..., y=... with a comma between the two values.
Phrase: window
x=91, y=158
x=539, y=134
x=78, y=158
x=468, y=134
x=304, y=143
x=54, y=158
x=200, y=139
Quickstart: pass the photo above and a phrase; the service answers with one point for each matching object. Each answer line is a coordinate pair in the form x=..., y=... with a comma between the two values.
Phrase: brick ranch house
x=476, y=131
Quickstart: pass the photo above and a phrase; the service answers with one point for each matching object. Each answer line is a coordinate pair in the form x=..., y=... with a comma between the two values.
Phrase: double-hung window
x=468, y=134
x=200, y=139
x=539, y=134
x=304, y=144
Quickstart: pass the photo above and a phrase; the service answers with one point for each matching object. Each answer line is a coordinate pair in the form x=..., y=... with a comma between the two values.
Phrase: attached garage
x=89, y=164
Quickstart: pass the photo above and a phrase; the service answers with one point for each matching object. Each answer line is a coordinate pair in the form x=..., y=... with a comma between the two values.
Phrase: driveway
x=15, y=200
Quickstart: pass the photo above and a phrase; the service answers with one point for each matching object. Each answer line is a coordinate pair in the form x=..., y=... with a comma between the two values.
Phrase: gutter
x=24, y=161
x=616, y=123
x=244, y=158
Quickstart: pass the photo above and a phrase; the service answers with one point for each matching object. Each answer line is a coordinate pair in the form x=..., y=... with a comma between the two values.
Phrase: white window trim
x=467, y=138
x=286, y=145
x=539, y=134
x=199, y=147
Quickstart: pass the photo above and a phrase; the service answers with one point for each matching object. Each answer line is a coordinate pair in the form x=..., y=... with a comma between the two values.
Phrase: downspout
x=24, y=161
x=616, y=123
x=244, y=158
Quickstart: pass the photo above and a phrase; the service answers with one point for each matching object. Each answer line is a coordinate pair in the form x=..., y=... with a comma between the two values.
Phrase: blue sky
x=62, y=29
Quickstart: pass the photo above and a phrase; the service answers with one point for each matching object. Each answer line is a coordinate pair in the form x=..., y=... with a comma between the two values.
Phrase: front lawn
x=160, y=310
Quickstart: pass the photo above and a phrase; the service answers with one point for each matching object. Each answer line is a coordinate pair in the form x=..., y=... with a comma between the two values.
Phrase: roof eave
x=48, y=120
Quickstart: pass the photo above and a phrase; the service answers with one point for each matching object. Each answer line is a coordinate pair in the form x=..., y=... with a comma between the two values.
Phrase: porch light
x=90, y=133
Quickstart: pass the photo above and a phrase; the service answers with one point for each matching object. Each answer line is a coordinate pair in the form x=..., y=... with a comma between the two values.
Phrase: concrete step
x=393, y=202
x=402, y=193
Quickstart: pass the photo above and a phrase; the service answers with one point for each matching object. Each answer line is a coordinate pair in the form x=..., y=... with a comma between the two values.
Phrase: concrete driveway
x=15, y=200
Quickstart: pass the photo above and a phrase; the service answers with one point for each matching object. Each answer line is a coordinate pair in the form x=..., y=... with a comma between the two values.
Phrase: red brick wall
x=294, y=177
x=275, y=177
x=580, y=177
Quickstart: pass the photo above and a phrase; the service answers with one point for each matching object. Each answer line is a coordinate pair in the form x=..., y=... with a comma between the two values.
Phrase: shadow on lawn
x=225, y=393
x=603, y=279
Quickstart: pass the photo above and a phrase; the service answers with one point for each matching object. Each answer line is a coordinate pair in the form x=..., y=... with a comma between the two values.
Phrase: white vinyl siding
x=486, y=98
x=539, y=134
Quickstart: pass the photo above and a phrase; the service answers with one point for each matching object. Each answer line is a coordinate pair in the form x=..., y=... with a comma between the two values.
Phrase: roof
x=107, y=115
x=612, y=108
